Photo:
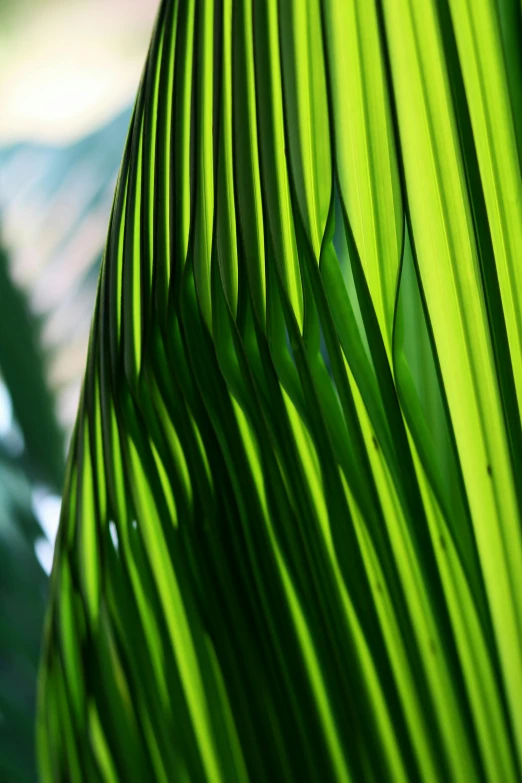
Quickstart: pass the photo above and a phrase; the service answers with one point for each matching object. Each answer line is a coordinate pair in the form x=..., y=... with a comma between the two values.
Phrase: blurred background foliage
x=68, y=73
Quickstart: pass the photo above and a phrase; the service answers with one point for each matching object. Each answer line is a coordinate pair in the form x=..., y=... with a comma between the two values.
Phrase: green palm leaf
x=290, y=543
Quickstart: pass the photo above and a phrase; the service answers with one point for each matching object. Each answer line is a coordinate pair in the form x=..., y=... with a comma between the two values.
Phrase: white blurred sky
x=68, y=65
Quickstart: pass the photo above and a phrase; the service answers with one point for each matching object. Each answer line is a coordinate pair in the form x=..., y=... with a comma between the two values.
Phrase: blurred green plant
x=35, y=449
x=55, y=203
x=22, y=365
x=290, y=545
x=23, y=593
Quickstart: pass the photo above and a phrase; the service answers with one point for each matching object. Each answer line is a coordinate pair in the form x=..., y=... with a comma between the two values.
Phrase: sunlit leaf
x=290, y=544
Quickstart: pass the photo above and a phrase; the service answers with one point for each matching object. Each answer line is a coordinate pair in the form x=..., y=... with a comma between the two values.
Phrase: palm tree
x=290, y=545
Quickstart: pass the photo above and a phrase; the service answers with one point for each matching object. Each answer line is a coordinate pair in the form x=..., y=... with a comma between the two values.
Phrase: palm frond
x=290, y=543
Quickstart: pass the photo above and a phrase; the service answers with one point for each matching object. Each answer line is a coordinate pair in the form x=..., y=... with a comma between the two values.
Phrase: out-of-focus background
x=69, y=71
